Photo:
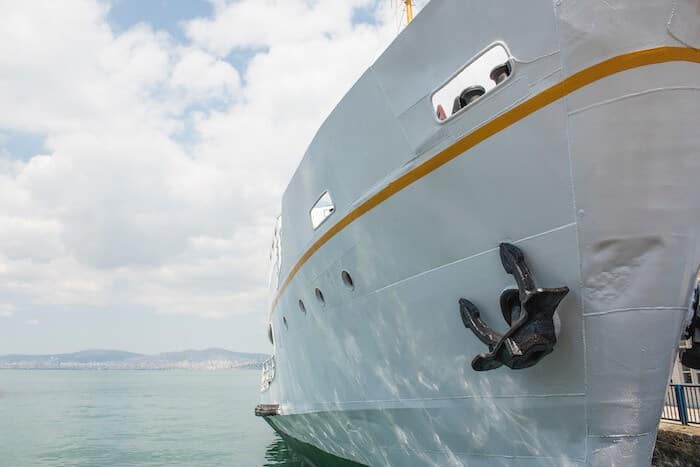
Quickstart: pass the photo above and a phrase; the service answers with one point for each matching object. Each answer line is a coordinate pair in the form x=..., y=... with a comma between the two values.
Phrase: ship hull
x=586, y=159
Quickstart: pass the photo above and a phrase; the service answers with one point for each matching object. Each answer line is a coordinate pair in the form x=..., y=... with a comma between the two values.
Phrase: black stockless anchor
x=529, y=311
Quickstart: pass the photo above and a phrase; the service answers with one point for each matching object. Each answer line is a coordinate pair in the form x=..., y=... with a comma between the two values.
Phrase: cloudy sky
x=144, y=147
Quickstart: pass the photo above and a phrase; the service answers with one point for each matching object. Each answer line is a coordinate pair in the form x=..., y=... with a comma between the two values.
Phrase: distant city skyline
x=106, y=359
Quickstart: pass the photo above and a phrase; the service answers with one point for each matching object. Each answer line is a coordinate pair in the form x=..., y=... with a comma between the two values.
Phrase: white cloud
x=7, y=310
x=164, y=167
x=32, y=322
x=264, y=23
x=201, y=76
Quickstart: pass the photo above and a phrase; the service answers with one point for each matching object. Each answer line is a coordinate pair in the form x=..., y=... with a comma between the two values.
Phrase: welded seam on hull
x=577, y=232
x=558, y=459
x=639, y=308
x=622, y=435
x=450, y=398
x=450, y=264
x=467, y=258
x=550, y=95
x=632, y=95
x=411, y=404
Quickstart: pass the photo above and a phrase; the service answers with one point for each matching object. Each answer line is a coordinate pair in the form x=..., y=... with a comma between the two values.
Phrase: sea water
x=134, y=418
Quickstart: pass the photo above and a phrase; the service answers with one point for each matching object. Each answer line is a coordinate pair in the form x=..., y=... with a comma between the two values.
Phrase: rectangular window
x=322, y=210
x=477, y=78
x=687, y=377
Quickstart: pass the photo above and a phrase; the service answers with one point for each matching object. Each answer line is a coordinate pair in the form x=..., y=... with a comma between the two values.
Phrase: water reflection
x=278, y=453
x=289, y=452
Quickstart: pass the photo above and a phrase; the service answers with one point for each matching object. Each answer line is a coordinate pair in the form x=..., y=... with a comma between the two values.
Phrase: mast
x=409, y=10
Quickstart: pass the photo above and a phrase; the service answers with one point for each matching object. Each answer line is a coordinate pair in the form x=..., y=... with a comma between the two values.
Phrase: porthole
x=347, y=279
x=302, y=307
x=269, y=334
x=319, y=297
x=284, y=320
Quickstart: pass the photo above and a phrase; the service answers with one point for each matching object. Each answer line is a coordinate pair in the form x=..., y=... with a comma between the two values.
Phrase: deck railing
x=682, y=404
x=268, y=373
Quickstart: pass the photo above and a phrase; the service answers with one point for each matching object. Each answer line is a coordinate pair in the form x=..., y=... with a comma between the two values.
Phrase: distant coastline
x=207, y=359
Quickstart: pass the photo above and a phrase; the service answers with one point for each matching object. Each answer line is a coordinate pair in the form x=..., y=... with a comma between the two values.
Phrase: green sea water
x=135, y=418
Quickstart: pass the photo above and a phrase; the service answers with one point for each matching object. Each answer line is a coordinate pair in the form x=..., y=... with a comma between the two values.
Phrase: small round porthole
x=269, y=334
x=284, y=320
x=319, y=297
x=302, y=307
x=347, y=279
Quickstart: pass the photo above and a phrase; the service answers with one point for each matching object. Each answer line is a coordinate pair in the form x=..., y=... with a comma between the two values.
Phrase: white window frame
x=471, y=62
x=315, y=226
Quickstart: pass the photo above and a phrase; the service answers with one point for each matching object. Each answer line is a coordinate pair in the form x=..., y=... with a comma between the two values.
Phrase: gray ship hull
x=586, y=158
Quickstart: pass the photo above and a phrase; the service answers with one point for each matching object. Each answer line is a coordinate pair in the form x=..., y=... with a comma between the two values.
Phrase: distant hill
x=207, y=359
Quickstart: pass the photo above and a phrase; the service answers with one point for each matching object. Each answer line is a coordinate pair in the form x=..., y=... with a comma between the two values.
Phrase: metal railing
x=268, y=373
x=682, y=404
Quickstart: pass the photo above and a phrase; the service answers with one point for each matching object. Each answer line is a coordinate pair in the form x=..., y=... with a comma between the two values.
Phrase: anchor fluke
x=529, y=311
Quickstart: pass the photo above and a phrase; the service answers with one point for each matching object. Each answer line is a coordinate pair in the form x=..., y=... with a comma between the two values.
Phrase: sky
x=144, y=149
